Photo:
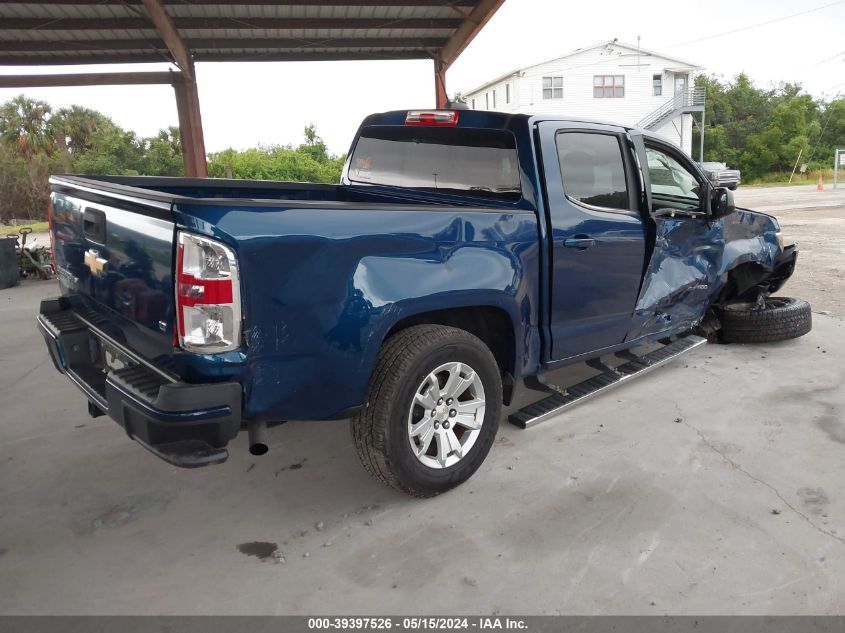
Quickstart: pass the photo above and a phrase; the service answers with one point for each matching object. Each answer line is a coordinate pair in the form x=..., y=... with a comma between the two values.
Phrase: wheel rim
x=771, y=303
x=446, y=415
x=778, y=302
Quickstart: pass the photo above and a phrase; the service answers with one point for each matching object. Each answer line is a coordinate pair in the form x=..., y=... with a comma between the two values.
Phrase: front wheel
x=432, y=410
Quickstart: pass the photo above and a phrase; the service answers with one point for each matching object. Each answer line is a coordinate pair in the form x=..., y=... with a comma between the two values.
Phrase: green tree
x=309, y=162
x=77, y=125
x=163, y=153
x=314, y=145
x=113, y=151
x=764, y=131
x=25, y=123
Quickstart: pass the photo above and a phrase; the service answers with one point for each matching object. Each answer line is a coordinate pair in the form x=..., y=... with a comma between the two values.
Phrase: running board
x=546, y=408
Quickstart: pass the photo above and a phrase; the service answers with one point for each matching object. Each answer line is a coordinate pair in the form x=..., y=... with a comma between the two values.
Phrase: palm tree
x=77, y=125
x=25, y=123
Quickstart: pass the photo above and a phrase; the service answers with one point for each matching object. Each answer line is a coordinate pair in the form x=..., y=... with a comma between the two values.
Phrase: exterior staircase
x=685, y=102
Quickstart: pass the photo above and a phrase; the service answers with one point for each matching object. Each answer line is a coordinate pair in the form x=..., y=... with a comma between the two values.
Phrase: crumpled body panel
x=690, y=266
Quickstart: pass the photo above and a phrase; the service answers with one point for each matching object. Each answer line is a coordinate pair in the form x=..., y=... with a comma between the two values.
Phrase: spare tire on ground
x=780, y=319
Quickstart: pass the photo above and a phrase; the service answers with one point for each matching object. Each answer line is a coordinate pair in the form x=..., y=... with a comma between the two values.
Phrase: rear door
x=597, y=235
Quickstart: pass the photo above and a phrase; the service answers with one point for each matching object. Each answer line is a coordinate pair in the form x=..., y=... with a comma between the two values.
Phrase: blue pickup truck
x=463, y=257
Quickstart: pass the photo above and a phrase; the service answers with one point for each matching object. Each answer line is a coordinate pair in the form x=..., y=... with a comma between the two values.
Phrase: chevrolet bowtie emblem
x=96, y=263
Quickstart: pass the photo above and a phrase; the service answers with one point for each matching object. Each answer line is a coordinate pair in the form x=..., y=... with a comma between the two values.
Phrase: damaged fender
x=691, y=266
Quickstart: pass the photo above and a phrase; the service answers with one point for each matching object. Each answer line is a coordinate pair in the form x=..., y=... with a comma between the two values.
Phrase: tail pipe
x=258, y=442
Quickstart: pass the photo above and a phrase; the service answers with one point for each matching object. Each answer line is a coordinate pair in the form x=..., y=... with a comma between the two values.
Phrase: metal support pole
x=190, y=127
x=836, y=166
x=440, y=97
x=701, y=151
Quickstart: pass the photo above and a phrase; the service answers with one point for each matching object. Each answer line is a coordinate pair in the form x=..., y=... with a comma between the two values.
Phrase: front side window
x=472, y=162
x=609, y=86
x=673, y=186
x=593, y=170
x=552, y=87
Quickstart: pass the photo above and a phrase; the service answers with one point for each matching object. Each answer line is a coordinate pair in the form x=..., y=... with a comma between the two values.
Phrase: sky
x=270, y=103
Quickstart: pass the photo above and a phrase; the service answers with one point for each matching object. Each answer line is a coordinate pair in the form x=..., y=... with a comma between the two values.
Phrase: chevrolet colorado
x=463, y=255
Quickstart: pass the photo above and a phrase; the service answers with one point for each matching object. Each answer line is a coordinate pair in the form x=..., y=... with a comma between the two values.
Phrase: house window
x=657, y=85
x=507, y=93
x=494, y=99
x=552, y=87
x=609, y=86
x=473, y=104
x=486, y=100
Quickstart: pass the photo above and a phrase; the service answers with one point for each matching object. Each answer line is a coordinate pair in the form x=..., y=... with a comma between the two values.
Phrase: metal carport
x=48, y=32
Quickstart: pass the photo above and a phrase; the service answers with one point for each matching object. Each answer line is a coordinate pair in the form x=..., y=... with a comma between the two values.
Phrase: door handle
x=582, y=243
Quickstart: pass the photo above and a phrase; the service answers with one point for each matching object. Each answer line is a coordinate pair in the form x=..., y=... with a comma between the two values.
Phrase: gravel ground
x=816, y=220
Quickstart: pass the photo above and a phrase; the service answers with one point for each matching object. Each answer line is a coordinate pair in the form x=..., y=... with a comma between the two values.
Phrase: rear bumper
x=185, y=424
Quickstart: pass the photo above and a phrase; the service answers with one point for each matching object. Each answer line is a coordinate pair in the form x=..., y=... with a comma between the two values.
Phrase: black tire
x=781, y=319
x=380, y=430
x=733, y=187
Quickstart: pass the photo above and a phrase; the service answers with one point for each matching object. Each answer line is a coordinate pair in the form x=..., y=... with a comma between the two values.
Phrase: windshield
x=465, y=161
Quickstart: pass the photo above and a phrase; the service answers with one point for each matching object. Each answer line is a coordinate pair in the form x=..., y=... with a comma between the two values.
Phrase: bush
x=36, y=141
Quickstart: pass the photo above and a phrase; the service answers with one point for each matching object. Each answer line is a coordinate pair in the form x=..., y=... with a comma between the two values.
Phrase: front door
x=680, y=83
x=685, y=266
x=597, y=236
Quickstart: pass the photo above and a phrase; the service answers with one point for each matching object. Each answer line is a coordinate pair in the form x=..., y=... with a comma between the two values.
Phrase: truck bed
x=174, y=190
x=325, y=270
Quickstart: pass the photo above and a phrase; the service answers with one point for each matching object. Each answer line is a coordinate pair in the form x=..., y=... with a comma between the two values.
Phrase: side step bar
x=546, y=408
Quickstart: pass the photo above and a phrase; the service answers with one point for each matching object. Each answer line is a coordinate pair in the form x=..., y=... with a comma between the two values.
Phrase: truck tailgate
x=114, y=258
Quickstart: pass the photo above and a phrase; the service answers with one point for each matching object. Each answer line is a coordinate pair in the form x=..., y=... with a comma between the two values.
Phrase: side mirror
x=721, y=203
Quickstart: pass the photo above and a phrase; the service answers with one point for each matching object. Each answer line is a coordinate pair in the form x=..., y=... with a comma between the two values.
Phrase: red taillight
x=437, y=118
x=208, y=308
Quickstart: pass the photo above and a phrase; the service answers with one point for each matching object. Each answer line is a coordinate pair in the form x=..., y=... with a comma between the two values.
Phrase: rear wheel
x=779, y=319
x=432, y=410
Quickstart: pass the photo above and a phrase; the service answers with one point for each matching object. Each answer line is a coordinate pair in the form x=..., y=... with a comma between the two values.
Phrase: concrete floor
x=710, y=486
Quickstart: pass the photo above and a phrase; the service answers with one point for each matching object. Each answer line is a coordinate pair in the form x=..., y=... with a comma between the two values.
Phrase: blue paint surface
x=690, y=264
x=328, y=271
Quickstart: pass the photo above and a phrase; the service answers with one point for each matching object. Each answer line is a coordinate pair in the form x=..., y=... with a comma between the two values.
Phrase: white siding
x=679, y=132
x=578, y=71
x=481, y=97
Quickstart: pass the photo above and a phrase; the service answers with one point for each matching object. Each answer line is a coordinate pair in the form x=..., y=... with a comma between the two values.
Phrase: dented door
x=692, y=255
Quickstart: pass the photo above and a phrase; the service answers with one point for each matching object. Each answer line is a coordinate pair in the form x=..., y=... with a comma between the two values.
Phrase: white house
x=612, y=82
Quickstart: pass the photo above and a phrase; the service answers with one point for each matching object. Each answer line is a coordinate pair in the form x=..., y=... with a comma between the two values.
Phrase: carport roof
x=108, y=31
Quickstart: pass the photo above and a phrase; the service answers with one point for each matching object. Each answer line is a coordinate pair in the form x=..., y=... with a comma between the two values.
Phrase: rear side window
x=464, y=161
x=592, y=169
